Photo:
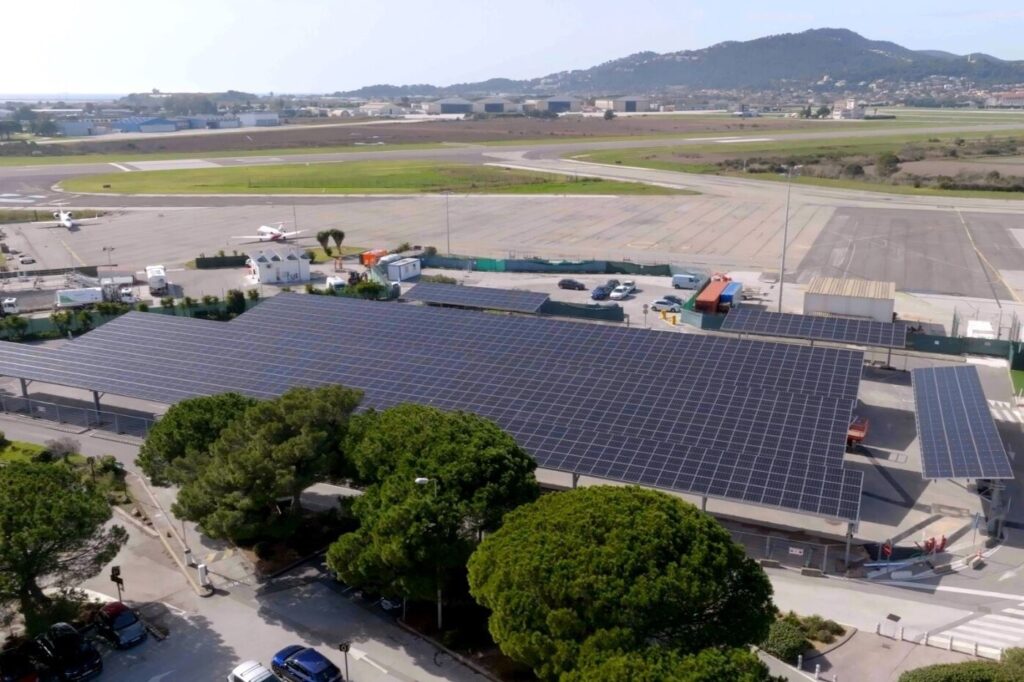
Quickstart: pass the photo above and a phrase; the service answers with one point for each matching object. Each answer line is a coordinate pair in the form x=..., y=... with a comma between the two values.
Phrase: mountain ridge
x=771, y=61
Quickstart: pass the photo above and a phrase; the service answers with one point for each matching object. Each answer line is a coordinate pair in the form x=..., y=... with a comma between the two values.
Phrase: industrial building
x=848, y=109
x=626, y=105
x=278, y=265
x=495, y=105
x=381, y=109
x=450, y=105
x=252, y=119
x=560, y=105
x=859, y=298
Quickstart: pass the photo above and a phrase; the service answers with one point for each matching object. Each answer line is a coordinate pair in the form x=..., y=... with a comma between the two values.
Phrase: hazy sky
x=115, y=46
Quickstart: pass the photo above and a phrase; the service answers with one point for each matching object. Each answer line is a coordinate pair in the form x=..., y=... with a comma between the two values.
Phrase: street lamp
x=448, y=221
x=108, y=250
x=423, y=480
x=785, y=231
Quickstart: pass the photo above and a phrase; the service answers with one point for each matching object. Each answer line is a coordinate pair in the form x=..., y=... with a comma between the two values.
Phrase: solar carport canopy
x=751, y=421
x=482, y=298
x=958, y=436
x=816, y=328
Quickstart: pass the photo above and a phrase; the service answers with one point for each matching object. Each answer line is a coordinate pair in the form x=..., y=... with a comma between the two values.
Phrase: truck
x=77, y=298
x=9, y=307
x=686, y=281
x=730, y=295
x=156, y=277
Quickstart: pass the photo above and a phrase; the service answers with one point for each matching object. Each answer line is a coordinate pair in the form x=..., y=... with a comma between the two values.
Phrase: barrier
x=607, y=313
x=213, y=262
x=82, y=417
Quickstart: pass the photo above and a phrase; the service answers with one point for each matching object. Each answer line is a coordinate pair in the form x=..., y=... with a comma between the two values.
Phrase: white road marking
x=746, y=139
x=126, y=169
x=360, y=655
x=954, y=590
x=17, y=201
x=160, y=676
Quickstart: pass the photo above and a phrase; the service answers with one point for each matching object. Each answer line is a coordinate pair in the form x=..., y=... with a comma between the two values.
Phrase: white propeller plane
x=271, y=233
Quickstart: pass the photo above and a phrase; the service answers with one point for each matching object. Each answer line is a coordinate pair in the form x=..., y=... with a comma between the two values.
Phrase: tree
x=8, y=128
x=324, y=237
x=646, y=566
x=234, y=302
x=44, y=128
x=52, y=529
x=887, y=164
x=84, y=320
x=62, y=320
x=659, y=665
x=337, y=236
x=413, y=540
x=262, y=462
x=187, y=304
x=167, y=302
x=177, y=448
x=609, y=114
x=15, y=326
x=823, y=112
x=62, y=448
x=253, y=294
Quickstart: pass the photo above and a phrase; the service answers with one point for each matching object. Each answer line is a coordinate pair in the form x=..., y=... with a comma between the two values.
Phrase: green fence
x=607, y=313
x=961, y=345
x=567, y=267
x=213, y=262
x=628, y=268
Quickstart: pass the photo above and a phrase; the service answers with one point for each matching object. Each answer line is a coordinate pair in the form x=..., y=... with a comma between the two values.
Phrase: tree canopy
x=661, y=665
x=178, y=446
x=52, y=527
x=265, y=459
x=414, y=536
x=615, y=569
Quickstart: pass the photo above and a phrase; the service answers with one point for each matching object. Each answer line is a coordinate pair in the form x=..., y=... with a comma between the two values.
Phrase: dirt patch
x=435, y=132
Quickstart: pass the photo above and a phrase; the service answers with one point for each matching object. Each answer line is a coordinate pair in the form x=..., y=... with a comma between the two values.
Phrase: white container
x=851, y=298
x=406, y=268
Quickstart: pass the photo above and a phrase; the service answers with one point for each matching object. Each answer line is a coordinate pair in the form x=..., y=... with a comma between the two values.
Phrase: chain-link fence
x=825, y=557
x=87, y=418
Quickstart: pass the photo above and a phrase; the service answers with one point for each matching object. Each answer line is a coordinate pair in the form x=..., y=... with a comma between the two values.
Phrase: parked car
x=16, y=666
x=674, y=299
x=26, y=260
x=301, y=664
x=573, y=284
x=611, y=284
x=663, y=304
x=629, y=284
x=600, y=293
x=252, y=671
x=686, y=281
x=66, y=654
x=120, y=625
x=620, y=292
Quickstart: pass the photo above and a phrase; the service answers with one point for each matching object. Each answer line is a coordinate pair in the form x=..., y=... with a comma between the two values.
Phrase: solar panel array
x=482, y=298
x=836, y=329
x=746, y=420
x=958, y=436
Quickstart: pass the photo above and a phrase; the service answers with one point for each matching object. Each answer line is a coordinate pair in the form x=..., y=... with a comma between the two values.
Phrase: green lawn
x=18, y=451
x=1017, y=376
x=357, y=177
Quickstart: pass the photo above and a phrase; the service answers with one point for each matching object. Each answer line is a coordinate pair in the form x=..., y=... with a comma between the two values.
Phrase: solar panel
x=836, y=329
x=958, y=436
x=482, y=298
x=753, y=421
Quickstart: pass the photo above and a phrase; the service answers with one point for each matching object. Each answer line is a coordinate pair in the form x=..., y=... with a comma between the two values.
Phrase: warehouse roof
x=859, y=288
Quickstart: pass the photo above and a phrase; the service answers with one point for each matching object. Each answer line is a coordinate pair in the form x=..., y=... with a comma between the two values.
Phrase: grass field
x=17, y=451
x=28, y=215
x=357, y=177
x=1017, y=376
x=700, y=158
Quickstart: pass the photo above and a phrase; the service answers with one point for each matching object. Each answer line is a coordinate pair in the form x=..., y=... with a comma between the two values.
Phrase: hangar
x=450, y=105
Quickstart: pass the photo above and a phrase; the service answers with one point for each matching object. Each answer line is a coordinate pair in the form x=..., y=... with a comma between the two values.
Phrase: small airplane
x=64, y=219
x=271, y=233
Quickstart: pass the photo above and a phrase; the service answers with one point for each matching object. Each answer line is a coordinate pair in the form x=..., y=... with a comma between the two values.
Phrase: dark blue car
x=301, y=664
x=600, y=293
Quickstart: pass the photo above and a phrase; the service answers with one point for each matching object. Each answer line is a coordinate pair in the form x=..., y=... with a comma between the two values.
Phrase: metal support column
x=99, y=408
x=575, y=480
x=703, y=503
x=849, y=538
x=24, y=388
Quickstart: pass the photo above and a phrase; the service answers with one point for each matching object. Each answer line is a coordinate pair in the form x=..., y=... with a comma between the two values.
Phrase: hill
x=788, y=58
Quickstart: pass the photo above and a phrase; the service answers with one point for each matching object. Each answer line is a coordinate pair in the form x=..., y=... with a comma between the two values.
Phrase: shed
x=403, y=269
x=251, y=119
x=278, y=265
x=861, y=298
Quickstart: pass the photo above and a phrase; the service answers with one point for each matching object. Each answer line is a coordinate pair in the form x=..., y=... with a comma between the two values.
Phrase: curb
x=480, y=670
x=135, y=522
x=818, y=653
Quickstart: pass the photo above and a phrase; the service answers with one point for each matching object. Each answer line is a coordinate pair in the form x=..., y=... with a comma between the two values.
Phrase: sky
x=315, y=46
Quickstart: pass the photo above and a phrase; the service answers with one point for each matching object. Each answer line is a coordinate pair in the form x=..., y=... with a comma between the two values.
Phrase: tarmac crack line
x=985, y=262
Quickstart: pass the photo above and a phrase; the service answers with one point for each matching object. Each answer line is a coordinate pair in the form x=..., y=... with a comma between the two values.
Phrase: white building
x=495, y=105
x=848, y=109
x=278, y=265
x=560, y=105
x=251, y=119
x=626, y=105
x=450, y=105
x=860, y=298
x=382, y=109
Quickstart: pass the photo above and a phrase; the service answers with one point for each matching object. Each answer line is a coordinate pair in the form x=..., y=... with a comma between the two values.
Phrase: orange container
x=368, y=258
x=707, y=300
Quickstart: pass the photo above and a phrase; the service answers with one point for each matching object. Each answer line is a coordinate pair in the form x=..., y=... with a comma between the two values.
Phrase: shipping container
x=707, y=300
x=401, y=270
x=731, y=294
x=370, y=258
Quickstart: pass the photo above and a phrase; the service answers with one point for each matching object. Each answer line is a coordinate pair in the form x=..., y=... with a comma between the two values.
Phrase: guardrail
x=946, y=641
x=82, y=417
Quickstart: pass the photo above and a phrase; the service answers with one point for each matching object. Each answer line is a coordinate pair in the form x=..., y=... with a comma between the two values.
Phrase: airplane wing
x=250, y=236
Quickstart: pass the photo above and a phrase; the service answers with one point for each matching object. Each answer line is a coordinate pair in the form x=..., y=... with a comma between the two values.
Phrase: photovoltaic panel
x=958, y=436
x=480, y=298
x=835, y=329
x=753, y=421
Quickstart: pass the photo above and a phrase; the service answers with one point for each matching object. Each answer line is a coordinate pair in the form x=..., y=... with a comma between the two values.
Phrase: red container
x=707, y=300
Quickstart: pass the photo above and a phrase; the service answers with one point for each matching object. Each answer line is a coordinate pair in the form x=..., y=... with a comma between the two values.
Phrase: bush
x=969, y=671
x=3, y=440
x=401, y=248
x=785, y=640
x=263, y=550
x=439, y=279
x=430, y=251
x=853, y=170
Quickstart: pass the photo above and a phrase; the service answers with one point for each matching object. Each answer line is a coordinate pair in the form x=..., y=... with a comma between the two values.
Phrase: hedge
x=785, y=641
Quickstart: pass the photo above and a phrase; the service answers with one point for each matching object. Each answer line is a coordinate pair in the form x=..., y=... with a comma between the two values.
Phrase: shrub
x=404, y=246
x=430, y=251
x=439, y=279
x=3, y=440
x=263, y=550
x=853, y=170
x=785, y=640
x=969, y=671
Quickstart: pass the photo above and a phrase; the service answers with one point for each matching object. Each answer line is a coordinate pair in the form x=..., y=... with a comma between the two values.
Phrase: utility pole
x=448, y=221
x=785, y=235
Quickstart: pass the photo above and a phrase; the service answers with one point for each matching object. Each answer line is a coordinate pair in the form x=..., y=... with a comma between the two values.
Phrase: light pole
x=423, y=480
x=108, y=250
x=785, y=232
x=448, y=221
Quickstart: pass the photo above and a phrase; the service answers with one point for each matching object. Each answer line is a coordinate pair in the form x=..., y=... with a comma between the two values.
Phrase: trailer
x=156, y=277
x=78, y=298
x=403, y=269
x=731, y=295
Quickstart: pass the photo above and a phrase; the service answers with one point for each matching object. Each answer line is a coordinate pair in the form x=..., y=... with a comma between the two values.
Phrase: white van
x=685, y=281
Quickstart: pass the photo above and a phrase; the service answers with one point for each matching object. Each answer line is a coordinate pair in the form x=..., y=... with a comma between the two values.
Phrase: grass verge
x=1017, y=376
x=19, y=451
x=27, y=215
x=357, y=177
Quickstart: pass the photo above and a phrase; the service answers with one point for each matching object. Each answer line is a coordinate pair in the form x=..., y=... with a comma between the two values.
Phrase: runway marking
x=73, y=254
x=747, y=139
x=984, y=260
x=17, y=201
x=126, y=169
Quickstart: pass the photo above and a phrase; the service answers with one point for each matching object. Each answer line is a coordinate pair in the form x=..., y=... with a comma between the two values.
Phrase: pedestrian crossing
x=1005, y=411
x=1001, y=630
